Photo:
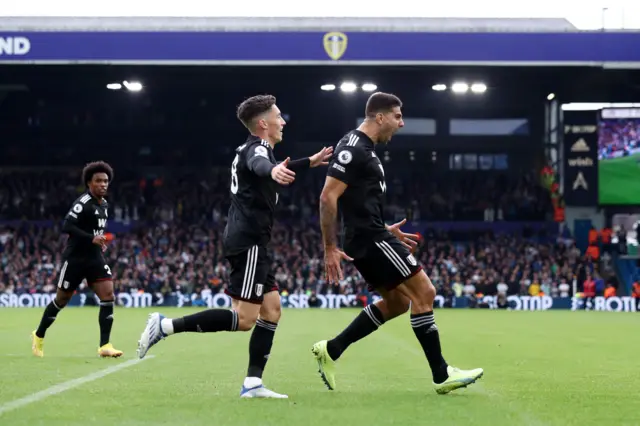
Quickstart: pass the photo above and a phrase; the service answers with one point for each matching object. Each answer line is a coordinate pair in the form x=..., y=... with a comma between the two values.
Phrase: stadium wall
x=334, y=301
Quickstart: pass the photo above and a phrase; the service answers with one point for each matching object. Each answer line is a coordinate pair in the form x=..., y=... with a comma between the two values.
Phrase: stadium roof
x=232, y=24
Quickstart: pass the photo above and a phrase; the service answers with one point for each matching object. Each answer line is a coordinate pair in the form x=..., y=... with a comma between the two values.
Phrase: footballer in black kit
x=383, y=260
x=256, y=179
x=250, y=219
x=355, y=186
x=83, y=258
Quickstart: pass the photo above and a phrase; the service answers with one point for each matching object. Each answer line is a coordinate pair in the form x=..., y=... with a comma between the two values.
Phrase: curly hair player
x=83, y=258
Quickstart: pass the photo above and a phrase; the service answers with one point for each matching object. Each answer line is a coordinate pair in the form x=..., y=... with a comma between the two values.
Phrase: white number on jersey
x=234, y=175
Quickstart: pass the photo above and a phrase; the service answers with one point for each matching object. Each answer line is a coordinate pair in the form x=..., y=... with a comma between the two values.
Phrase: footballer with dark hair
x=383, y=254
x=256, y=179
x=83, y=258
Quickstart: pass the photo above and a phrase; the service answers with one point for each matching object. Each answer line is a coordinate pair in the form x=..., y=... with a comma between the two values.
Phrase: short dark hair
x=381, y=102
x=96, y=167
x=253, y=107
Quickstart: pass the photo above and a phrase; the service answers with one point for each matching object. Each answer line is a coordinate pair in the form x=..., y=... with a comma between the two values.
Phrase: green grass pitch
x=541, y=368
x=619, y=180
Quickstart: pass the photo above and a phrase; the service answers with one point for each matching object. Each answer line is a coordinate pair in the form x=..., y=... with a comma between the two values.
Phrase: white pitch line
x=65, y=386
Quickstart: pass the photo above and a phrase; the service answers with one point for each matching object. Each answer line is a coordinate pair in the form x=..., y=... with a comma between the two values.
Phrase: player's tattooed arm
x=328, y=221
x=333, y=189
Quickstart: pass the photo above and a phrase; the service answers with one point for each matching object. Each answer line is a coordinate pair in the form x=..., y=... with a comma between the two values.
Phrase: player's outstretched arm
x=332, y=191
x=320, y=158
x=282, y=174
x=260, y=164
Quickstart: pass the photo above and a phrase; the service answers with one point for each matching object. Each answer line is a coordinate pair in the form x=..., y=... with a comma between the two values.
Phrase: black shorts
x=251, y=275
x=385, y=263
x=74, y=270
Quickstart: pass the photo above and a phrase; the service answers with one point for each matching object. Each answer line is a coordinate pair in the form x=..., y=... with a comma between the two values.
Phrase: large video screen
x=619, y=161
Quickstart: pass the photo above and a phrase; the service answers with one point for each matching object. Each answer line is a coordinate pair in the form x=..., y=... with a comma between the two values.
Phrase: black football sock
x=105, y=319
x=260, y=347
x=368, y=321
x=48, y=317
x=424, y=326
x=208, y=321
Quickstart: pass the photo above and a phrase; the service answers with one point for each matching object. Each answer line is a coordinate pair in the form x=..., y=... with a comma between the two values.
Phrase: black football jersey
x=253, y=198
x=90, y=216
x=355, y=163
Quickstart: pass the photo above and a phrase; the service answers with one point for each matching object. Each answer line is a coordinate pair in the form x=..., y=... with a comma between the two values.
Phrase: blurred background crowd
x=171, y=235
x=475, y=192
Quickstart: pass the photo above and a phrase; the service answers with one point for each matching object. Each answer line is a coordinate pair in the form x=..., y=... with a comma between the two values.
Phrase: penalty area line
x=65, y=386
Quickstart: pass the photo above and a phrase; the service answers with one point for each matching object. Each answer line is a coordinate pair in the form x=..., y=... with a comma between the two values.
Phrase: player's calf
x=260, y=346
x=51, y=312
x=159, y=327
x=422, y=293
x=367, y=321
x=48, y=317
x=105, y=320
x=262, y=338
x=103, y=287
x=392, y=305
x=208, y=321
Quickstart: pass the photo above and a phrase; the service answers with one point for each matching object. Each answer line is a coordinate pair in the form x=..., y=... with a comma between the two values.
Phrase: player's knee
x=423, y=292
x=104, y=290
x=271, y=312
x=430, y=290
x=60, y=303
x=107, y=295
x=246, y=320
x=271, y=309
x=62, y=299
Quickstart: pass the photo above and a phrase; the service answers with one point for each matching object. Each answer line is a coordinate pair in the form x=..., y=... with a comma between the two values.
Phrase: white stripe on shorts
x=62, y=272
x=249, y=272
x=394, y=258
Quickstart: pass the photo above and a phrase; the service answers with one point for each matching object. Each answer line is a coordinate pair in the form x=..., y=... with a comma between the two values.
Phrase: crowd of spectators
x=191, y=197
x=169, y=258
x=176, y=225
